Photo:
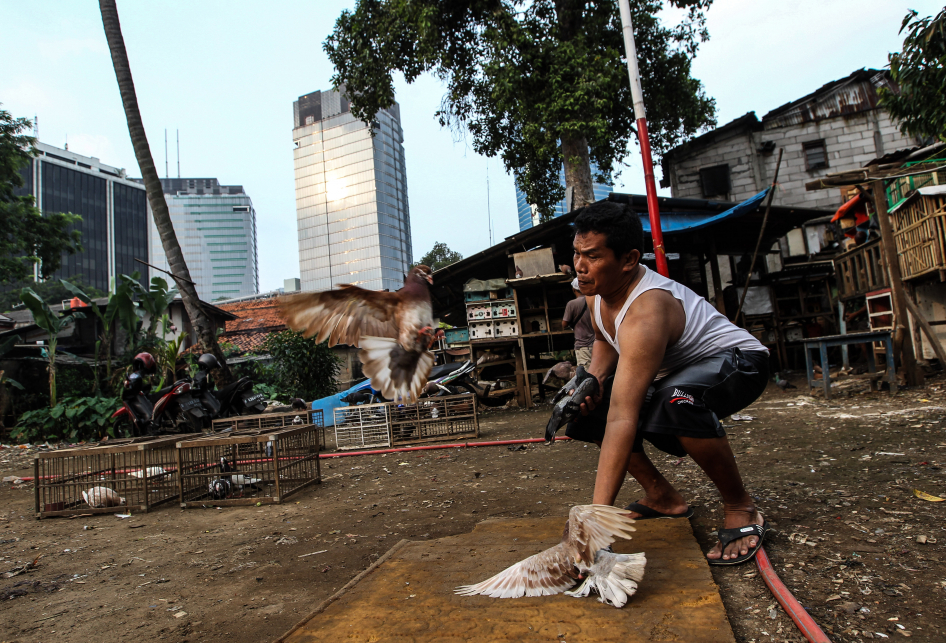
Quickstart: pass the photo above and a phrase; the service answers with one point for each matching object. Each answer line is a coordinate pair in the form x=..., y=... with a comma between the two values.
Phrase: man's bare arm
x=644, y=336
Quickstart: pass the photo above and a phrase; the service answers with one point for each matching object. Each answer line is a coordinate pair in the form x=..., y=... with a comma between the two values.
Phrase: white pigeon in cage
x=100, y=497
x=581, y=555
x=150, y=472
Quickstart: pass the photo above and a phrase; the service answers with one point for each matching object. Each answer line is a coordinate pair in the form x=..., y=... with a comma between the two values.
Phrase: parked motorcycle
x=237, y=398
x=169, y=410
x=453, y=379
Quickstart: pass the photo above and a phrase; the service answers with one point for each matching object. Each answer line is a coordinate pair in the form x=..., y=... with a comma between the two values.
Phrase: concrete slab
x=409, y=597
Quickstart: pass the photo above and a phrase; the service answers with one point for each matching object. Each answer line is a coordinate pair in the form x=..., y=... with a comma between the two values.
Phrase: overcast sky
x=226, y=73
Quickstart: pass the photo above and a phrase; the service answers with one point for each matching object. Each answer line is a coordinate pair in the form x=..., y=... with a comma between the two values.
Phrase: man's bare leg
x=659, y=494
x=715, y=457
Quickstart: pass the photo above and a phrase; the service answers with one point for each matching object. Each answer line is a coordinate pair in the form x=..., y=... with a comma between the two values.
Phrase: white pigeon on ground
x=99, y=497
x=581, y=555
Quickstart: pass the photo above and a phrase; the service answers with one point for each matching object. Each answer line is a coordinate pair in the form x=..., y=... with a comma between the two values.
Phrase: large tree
x=919, y=71
x=440, y=256
x=201, y=322
x=540, y=83
x=27, y=237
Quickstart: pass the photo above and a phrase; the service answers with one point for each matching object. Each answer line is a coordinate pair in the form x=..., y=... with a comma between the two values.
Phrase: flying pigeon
x=98, y=497
x=394, y=330
x=582, y=555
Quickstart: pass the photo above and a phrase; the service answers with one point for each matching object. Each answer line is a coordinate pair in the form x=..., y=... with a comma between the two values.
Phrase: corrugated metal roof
x=856, y=93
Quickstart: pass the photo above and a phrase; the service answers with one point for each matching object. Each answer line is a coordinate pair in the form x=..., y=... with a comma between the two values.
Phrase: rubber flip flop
x=727, y=536
x=649, y=514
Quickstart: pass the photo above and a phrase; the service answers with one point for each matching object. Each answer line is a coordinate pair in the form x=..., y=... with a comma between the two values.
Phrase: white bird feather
x=589, y=530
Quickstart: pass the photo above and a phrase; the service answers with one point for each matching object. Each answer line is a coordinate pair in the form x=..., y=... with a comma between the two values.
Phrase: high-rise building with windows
x=216, y=227
x=529, y=217
x=351, y=195
x=114, y=211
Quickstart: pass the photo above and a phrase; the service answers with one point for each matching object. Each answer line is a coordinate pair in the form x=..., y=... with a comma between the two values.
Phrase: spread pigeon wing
x=342, y=316
x=544, y=574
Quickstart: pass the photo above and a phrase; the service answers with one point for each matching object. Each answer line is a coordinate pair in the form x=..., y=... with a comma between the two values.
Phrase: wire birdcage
x=266, y=421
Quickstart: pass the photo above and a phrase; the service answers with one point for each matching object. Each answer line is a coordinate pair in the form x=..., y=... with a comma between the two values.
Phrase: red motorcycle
x=169, y=410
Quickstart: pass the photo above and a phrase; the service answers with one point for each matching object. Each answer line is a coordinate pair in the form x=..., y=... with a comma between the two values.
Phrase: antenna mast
x=489, y=215
x=178, y=153
x=165, y=152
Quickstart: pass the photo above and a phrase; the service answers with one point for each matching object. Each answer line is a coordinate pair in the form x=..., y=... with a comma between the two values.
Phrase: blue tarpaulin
x=328, y=404
x=680, y=222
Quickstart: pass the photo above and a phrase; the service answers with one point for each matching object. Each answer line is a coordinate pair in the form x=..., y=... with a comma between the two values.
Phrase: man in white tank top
x=675, y=366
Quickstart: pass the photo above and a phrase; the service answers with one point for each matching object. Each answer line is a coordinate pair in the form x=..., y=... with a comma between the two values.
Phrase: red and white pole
x=653, y=208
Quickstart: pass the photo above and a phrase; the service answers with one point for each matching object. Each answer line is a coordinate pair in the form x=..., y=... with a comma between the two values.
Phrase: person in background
x=578, y=317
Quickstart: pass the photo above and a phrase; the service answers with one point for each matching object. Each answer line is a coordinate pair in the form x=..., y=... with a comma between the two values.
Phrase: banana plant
x=154, y=301
x=118, y=300
x=53, y=324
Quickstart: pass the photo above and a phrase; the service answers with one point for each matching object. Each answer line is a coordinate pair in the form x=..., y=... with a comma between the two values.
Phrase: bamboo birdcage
x=919, y=226
x=248, y=466
x=140, y=471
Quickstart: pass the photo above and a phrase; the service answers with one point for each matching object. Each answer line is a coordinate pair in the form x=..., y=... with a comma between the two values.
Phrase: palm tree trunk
x=206, y=333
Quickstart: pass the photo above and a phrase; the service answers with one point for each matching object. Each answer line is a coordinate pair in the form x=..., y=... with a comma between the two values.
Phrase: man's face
x=599, y=270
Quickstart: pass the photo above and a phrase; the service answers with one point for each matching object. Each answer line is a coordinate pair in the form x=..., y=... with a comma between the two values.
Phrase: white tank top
x=706, y=333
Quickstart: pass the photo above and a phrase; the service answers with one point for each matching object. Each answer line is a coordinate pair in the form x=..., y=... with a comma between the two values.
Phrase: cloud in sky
x=226, y=74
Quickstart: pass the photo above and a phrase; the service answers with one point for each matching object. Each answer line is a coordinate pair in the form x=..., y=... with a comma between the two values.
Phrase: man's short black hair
x=619, y=224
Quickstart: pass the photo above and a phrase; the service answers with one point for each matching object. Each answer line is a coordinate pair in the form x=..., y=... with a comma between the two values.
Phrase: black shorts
x=686, y=403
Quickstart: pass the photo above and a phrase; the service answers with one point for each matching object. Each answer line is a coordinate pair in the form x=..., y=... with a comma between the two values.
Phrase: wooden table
x=821, y=344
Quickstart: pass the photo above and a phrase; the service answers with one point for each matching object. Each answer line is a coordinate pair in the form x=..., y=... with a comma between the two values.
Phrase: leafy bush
x=301, y=367
x=74, y=419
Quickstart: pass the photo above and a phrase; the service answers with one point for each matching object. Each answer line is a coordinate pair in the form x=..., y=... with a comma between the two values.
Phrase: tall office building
x=216, y=227
x=114, y=211
x=529, y=217
x=351, y=195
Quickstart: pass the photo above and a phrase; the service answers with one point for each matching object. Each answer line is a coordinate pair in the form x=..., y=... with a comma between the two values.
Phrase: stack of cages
x=266, y=421
x=434, y=419
x=363, y=426
x=133, y=474
x=248, y=466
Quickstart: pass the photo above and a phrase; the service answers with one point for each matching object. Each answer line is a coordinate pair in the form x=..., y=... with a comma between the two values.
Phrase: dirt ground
x=834, y=478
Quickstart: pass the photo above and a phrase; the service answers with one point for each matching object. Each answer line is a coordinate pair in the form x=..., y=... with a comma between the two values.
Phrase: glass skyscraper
x=351, y=195
x=216, y=227
x=529, y=217
x=114, y=211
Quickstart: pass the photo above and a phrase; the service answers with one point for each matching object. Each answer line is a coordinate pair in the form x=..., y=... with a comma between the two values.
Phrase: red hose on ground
x=792, y=607
x=458, y=445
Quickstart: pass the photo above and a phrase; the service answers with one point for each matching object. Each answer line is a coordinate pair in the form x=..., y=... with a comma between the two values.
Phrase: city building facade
x=351, y=195
x=839, y=127
x=114, y=211
x=529, y=216
x=216, y=227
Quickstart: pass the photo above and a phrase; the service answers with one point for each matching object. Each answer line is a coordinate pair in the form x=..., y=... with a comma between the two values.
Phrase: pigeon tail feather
x=398, y=374
x=613, y=576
